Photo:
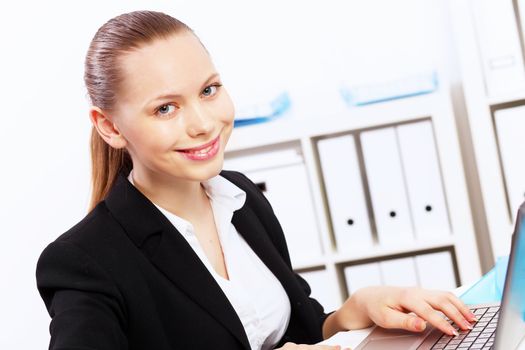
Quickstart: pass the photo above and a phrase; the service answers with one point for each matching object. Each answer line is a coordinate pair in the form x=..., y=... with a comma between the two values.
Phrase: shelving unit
x=489, y=88
x=298, y=137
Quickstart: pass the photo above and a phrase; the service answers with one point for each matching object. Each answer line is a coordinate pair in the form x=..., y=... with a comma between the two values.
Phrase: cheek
x=151, y=139
x=227, y=109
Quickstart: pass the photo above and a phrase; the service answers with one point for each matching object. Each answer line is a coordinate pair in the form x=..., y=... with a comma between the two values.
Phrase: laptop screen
x=511, y=325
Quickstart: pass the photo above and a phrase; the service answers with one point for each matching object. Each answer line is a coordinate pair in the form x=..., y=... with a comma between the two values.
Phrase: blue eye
x=166, y=109
x=211, y=90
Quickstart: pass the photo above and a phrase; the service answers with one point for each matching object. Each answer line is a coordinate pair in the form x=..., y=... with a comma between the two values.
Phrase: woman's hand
x=403, y=308
x=293, y=346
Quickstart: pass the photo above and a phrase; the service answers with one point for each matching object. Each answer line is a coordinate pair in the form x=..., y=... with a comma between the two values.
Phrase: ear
x=106, y=128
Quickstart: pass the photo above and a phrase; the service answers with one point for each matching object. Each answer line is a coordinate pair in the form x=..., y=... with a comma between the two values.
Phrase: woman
x=176, y=253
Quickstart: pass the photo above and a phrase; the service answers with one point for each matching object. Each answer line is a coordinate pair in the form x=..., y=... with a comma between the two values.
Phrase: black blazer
x=124, y=278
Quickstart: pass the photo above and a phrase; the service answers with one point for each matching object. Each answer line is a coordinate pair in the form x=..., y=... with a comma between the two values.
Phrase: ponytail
x=106, y=164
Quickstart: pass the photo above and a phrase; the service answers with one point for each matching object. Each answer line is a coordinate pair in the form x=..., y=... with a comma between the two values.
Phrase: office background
x=315, y=70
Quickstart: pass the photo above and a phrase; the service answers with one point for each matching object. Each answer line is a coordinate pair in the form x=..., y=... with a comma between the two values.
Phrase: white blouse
x=254, y=292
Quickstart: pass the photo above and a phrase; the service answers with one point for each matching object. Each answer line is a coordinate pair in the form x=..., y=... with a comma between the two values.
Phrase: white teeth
x=202, y=151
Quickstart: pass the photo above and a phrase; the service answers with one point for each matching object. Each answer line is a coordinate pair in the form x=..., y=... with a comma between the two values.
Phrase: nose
x=198, y=120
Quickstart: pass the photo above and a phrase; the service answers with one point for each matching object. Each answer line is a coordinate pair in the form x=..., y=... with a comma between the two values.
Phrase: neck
x=184, y=198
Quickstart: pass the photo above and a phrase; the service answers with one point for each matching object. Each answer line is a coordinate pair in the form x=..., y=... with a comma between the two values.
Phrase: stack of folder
x=384, y=186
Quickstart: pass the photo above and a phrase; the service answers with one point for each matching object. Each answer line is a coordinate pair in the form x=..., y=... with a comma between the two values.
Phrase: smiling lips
x=204, y=152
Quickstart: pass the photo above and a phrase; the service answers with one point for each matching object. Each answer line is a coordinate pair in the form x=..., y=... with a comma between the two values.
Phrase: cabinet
x=375, y=187
x=418, y=270
x=489, y=48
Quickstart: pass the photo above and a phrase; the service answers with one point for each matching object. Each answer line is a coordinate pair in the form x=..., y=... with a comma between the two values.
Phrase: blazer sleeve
x=279, y=241
x=85, y=305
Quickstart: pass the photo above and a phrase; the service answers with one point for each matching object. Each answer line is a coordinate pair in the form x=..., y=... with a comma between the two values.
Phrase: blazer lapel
x=177, y=260
x=173, y=256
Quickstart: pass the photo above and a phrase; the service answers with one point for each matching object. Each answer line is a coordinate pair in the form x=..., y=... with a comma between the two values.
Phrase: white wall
x=259, y=47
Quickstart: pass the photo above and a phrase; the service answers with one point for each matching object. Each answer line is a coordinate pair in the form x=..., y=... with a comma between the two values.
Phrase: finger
x=396, y=319
x=423, y=310
x=460, y=305
x=452, y=312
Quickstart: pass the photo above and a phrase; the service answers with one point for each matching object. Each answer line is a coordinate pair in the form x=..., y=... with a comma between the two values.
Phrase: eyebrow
x=173, y=95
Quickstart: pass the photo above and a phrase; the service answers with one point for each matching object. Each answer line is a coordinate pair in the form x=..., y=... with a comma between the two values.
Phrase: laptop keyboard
x=480, y=337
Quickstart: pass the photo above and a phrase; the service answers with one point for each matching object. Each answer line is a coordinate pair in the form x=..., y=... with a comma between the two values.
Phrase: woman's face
x=172, y=111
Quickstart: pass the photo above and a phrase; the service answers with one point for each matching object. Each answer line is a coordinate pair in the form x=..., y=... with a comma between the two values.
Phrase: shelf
x=383, y=252
x=295, y=135
x=293, y=127
x=486, y=174
x=507, y=98
x=376, y=252
x=314, y=264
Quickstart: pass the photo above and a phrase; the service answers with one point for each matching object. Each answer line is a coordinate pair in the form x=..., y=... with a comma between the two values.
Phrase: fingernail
x=454, y=332
x=467, y=324
x=419, y=324
x=473, y=317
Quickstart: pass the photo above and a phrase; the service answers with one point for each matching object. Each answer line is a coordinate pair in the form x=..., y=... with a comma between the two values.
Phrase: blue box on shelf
x=264, y=113
x=408, y=86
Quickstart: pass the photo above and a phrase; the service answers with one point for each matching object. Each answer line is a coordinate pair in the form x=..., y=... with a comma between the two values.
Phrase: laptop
x=499, y=326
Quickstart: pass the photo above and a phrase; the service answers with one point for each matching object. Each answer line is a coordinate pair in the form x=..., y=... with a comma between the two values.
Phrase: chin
x=209, y=171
